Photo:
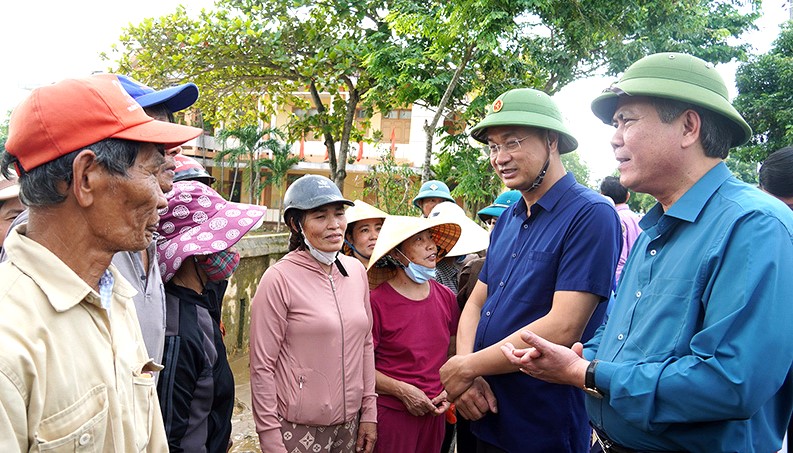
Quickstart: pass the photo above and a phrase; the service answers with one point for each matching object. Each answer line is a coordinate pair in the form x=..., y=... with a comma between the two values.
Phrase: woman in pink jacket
x=312, y=361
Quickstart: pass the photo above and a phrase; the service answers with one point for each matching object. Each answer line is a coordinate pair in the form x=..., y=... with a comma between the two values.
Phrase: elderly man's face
x=130, y=208
x=9, y=210
x=166, y=174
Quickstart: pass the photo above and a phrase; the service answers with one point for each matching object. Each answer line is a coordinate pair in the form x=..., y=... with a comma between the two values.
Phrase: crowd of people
x=560, y=322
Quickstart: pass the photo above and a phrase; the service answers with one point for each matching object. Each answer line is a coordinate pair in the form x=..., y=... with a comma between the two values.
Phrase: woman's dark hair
x=43, y=185
x=293, y=218
x=776, y=173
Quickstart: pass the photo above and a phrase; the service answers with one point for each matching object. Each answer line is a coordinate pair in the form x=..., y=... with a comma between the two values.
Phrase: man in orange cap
x=74, y=369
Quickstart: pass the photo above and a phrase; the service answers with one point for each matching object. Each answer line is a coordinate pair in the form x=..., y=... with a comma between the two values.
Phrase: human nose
x=616, y=138
x=162, y=202
x=432, y=246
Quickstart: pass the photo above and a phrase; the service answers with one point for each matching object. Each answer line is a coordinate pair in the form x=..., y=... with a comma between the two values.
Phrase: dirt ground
x=243, y=429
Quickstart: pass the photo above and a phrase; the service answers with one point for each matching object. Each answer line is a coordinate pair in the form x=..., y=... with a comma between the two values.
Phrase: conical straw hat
x=396, y=229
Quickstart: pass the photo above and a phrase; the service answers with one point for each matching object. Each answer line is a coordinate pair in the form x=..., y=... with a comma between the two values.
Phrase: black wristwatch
x=589, y=381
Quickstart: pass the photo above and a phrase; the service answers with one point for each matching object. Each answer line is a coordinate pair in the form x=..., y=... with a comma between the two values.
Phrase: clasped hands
x=541, y=359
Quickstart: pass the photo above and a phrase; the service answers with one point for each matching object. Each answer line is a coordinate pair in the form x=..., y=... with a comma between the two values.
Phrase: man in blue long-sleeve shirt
x=697, y=353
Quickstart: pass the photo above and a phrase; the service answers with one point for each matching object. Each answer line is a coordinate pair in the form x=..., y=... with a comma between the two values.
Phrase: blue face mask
x=416, y=272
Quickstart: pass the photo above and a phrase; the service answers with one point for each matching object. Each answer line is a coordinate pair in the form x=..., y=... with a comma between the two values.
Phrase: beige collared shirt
x=72, y=374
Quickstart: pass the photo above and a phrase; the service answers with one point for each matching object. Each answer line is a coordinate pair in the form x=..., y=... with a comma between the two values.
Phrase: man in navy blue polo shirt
x=550, y=265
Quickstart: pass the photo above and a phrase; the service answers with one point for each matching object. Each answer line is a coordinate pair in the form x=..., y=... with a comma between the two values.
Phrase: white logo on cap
x=132, y=104
x=434, y=186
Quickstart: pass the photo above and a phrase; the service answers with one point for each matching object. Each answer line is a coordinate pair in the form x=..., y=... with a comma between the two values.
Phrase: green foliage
x=765, y=96
x=393, y=186
x=249, y=144
x=467, y=171
x=455, y=56
x=641, y=202
x=572, y=162
x=249, y=58
x=745, y=171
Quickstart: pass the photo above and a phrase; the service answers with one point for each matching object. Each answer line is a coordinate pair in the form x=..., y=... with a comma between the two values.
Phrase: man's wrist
x=590, y=387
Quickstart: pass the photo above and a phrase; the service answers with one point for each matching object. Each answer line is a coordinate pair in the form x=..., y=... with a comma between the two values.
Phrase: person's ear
x=88, y=178
x=627, y=196
x=552, y=141
x=692, y=124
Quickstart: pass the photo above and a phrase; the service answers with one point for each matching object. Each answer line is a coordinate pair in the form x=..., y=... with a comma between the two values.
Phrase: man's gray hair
x=715, y=131
x=42, y=186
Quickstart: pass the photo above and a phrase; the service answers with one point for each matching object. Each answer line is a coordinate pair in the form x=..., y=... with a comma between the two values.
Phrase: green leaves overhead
x=251, y=58
x=765, y=97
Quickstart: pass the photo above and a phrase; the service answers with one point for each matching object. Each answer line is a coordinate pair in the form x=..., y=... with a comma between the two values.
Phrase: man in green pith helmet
x=549, y=266
x=696, y=355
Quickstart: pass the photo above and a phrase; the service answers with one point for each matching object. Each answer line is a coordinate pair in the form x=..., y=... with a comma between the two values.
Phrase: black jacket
x=196, y=388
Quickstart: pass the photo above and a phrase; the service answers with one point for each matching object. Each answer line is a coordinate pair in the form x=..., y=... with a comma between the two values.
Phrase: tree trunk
x=344, y=146
x=252, y=181
x=234, y=181
x=329, y=141
x=429, y=128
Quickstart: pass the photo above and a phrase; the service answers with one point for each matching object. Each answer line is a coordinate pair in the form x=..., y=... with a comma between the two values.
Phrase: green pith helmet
x=679, y=77
x=526, y=107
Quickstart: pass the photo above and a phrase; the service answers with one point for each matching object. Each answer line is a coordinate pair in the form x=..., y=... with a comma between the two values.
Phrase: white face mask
x=326, y=258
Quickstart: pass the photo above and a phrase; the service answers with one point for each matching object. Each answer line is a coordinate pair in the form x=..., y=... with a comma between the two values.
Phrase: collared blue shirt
x=571, y=242
x=697, y=353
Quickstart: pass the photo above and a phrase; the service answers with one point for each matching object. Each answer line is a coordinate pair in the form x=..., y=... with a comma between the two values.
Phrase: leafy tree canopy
x=251, y=57
x=765, y=96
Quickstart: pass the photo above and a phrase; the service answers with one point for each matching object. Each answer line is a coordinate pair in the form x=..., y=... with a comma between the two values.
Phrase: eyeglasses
x=509, y=146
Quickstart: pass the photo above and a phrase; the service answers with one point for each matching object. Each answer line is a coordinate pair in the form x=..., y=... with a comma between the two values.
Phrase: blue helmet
x=501, y=203
x=433, y=189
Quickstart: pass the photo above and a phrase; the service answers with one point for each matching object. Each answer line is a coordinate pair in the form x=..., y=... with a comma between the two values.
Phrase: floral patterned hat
x=198, y=221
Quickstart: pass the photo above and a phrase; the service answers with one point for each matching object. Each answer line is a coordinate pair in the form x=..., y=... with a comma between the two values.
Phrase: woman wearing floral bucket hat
x=312, y=362
x=198, y=230
x=414, y=320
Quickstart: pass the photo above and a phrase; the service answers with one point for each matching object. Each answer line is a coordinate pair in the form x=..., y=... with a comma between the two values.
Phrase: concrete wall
x=257, y=253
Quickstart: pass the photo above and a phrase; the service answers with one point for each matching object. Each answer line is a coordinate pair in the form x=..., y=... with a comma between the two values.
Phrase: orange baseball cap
x=58, y=119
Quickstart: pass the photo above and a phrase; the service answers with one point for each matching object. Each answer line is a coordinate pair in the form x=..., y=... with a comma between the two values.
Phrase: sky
x=44, y=41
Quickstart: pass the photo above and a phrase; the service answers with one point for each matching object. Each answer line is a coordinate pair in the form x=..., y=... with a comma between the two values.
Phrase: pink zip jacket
x=312, y=361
